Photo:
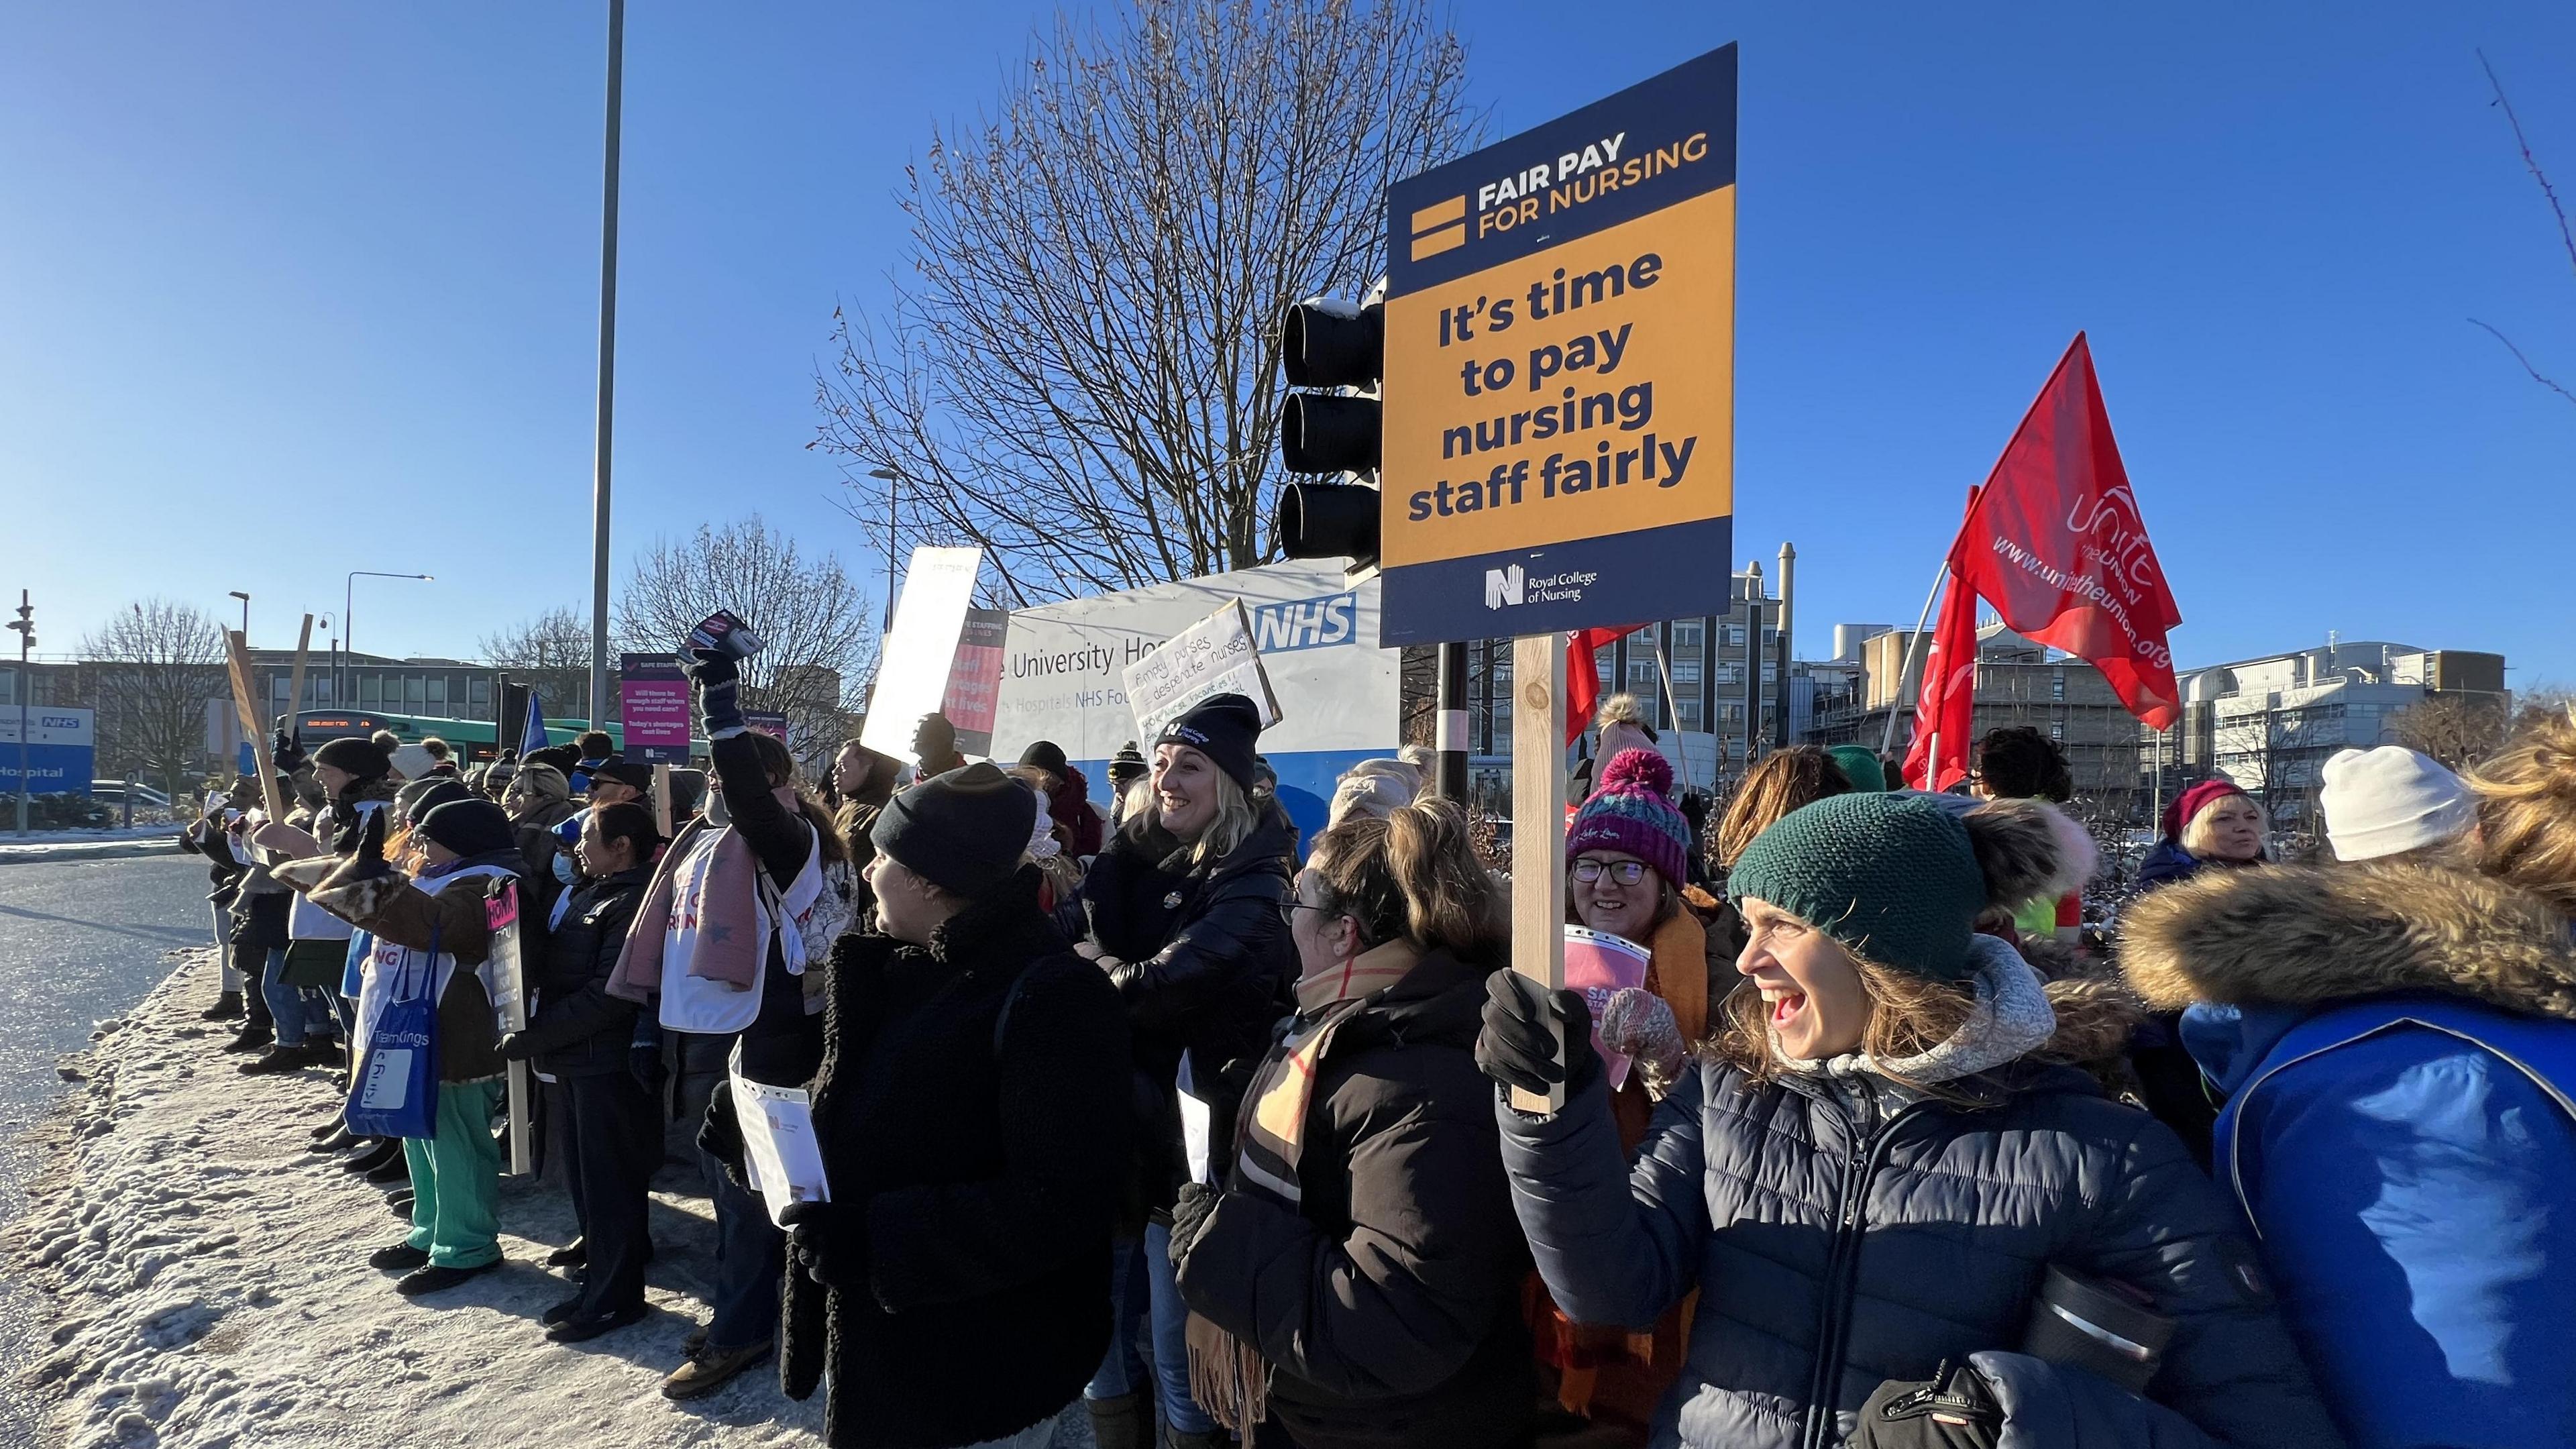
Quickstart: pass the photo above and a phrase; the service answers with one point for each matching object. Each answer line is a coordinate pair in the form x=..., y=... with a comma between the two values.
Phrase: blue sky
x=290, y=289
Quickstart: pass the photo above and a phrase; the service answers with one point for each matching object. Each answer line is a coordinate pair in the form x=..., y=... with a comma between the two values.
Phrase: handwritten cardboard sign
x=1214, y=656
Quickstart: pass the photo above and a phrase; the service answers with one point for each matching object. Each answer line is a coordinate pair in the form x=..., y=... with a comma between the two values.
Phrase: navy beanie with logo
x=1225, y=728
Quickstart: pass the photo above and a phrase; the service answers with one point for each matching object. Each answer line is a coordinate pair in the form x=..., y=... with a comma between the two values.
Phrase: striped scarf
x=1227, y=1375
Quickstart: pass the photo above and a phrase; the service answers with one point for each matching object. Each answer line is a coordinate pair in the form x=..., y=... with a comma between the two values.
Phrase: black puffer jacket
x=1388, y=1301
x=974, y=1164
x=580, y=1030
x=1204, y=965
x=1831, y=1258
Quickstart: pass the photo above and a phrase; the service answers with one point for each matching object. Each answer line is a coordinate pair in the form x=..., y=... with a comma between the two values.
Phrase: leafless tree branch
x=2536, y=375
x=1077, y=373
x=149, y=672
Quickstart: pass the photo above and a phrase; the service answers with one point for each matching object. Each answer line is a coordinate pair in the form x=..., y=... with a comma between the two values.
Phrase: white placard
x=913, y=679
x=1214, y=656
x=780, y=1154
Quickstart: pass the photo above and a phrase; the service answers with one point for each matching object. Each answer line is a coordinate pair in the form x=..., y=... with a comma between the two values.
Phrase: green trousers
x=456, y=1179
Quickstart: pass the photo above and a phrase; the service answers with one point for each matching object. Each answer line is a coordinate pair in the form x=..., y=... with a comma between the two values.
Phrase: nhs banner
x=61, y=750
x=1063, y=668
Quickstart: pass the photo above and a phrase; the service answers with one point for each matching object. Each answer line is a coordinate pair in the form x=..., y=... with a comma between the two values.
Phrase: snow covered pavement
x=207, y=1285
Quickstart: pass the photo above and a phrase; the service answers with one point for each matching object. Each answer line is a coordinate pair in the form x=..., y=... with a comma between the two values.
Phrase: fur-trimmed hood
x=2304, y=936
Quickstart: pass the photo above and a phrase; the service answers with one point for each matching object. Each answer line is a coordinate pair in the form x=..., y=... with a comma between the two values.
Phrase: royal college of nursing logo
x=1503, y=587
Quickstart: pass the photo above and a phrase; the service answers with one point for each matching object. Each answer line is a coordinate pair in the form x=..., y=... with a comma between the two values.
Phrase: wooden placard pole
x=1538, y=826
x=238, y=653
x=662, y=800
x=295, y=680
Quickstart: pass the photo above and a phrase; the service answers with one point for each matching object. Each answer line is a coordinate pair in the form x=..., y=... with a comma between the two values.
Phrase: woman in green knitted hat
x=1869, y=1171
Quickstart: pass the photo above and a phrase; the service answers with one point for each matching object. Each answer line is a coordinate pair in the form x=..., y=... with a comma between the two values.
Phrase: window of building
x=415, y=692
x=436, y=703
x=1734, y=636
x=2057, y=730
x=478, y=697
x=2057, y=685
x=1686, y=634
x=369, y=689
x=1687, y=714
x=1685, y=671
x=1770, y=671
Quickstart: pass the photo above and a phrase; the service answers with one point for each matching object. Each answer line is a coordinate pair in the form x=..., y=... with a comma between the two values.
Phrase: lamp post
x=607, y=369
x=348, y=616
x=892, y=477
x=25, y=624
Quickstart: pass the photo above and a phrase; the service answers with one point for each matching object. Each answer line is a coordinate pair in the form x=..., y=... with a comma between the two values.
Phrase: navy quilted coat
x=1832, y=1257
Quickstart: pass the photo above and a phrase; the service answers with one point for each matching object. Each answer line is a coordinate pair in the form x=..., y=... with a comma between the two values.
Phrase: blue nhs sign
x=1305, y=623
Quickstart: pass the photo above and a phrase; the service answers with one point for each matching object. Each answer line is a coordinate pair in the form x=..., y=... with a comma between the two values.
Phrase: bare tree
x=2557, y=213
x=811, y=617
x=150, y=672
x=550, y=653
x=2457, y=729
x=1078, y=375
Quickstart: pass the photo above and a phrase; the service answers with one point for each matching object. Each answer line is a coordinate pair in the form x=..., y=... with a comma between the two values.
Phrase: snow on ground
x=207, y=1282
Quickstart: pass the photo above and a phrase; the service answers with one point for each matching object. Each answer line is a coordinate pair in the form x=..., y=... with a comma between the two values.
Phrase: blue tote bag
x=394, y=1092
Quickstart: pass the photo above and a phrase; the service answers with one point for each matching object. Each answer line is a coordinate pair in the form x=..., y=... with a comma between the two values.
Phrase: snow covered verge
x=205, y=1285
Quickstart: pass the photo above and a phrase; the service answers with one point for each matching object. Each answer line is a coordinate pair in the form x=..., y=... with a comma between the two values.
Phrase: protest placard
x=1214, y=656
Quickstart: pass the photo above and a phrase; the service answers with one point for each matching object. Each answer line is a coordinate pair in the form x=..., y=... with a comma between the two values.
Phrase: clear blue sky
x=289, y=289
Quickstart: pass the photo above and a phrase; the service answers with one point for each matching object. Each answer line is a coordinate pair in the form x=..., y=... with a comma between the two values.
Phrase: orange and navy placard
x=1560, y=372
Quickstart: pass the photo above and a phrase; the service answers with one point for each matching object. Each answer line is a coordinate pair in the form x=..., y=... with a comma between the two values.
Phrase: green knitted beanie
x=1860, y=767
x=1893, y=877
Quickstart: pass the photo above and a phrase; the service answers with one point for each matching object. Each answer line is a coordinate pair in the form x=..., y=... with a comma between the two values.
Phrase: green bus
x=476, y=740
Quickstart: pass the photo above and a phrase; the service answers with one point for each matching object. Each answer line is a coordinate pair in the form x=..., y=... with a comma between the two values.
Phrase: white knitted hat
x=2391, y=799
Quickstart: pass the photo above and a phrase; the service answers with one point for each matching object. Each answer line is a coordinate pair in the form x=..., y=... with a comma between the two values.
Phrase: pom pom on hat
x=1630, y=814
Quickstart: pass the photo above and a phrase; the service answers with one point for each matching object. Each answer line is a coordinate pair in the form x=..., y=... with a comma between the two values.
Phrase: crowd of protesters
x=1154, y=1107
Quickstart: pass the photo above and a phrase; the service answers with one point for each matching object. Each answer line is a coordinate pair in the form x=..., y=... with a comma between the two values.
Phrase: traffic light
x=25, y=625
x=1330, y=344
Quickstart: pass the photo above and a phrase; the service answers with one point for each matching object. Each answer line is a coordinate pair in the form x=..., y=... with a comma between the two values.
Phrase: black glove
x=718, y=678
x=807, y=1247
x=288, y=755
x=644, y=1064
x=1523, y=1021
x=514, y=1046
x=1953, y=1409
x=1191, y=1216
x=367, y=858
x=720, y=1135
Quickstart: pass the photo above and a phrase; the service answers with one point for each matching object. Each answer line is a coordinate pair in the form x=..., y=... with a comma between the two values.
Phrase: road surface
x=79, y=940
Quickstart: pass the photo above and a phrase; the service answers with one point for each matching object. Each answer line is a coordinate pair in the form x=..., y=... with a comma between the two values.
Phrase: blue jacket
x=2399, y=1132
x=1834, y=1252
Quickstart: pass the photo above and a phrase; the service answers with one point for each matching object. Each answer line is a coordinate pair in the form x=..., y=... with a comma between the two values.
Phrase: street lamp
x=245, y=598
x=349, y=618
x=892, y=475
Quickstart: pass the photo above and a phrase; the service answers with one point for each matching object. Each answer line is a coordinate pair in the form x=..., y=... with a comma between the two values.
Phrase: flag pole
x=1888, y=740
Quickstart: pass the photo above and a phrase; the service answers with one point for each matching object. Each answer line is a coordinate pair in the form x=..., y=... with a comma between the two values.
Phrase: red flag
x=1583, y=677
x=1945, y=707
x=2056, y=543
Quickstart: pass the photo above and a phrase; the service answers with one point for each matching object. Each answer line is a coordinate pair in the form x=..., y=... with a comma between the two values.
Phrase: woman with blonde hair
x=1181, y=909
x=2397, y=1043
x=1871, y=1171
x=1354, y=1271
x=2214, y=823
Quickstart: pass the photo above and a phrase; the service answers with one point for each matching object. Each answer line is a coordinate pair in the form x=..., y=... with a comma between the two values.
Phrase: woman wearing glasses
x=1626, y=860
x=1354, y=1273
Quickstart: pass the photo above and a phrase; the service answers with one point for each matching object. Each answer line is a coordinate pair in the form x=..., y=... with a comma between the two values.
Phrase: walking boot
x=710, y=1368
x=369, y=1158
x=331, y=1136
x=254, y=1037
x=227, y=1007
x=1120, y=1423
x=434, y=1279
x=280, y=1059
x=396, y=1168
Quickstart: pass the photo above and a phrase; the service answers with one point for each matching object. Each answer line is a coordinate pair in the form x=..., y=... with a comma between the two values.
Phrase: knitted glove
x=368, y=860
x=514, y=1046
x=718, y=678
x=1190, y=1217
x=288, y=755
x=1637, y=1023
x=1523, y=1023
x=644, y=1064
x=809, y=1247
x=1954, y=1409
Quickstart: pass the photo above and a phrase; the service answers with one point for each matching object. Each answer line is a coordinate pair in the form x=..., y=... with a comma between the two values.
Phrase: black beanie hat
x=1223, y=727
x=354, y=756
x=469, y=827
x=1047, y=755
x=963, y=831
x=441, y=791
